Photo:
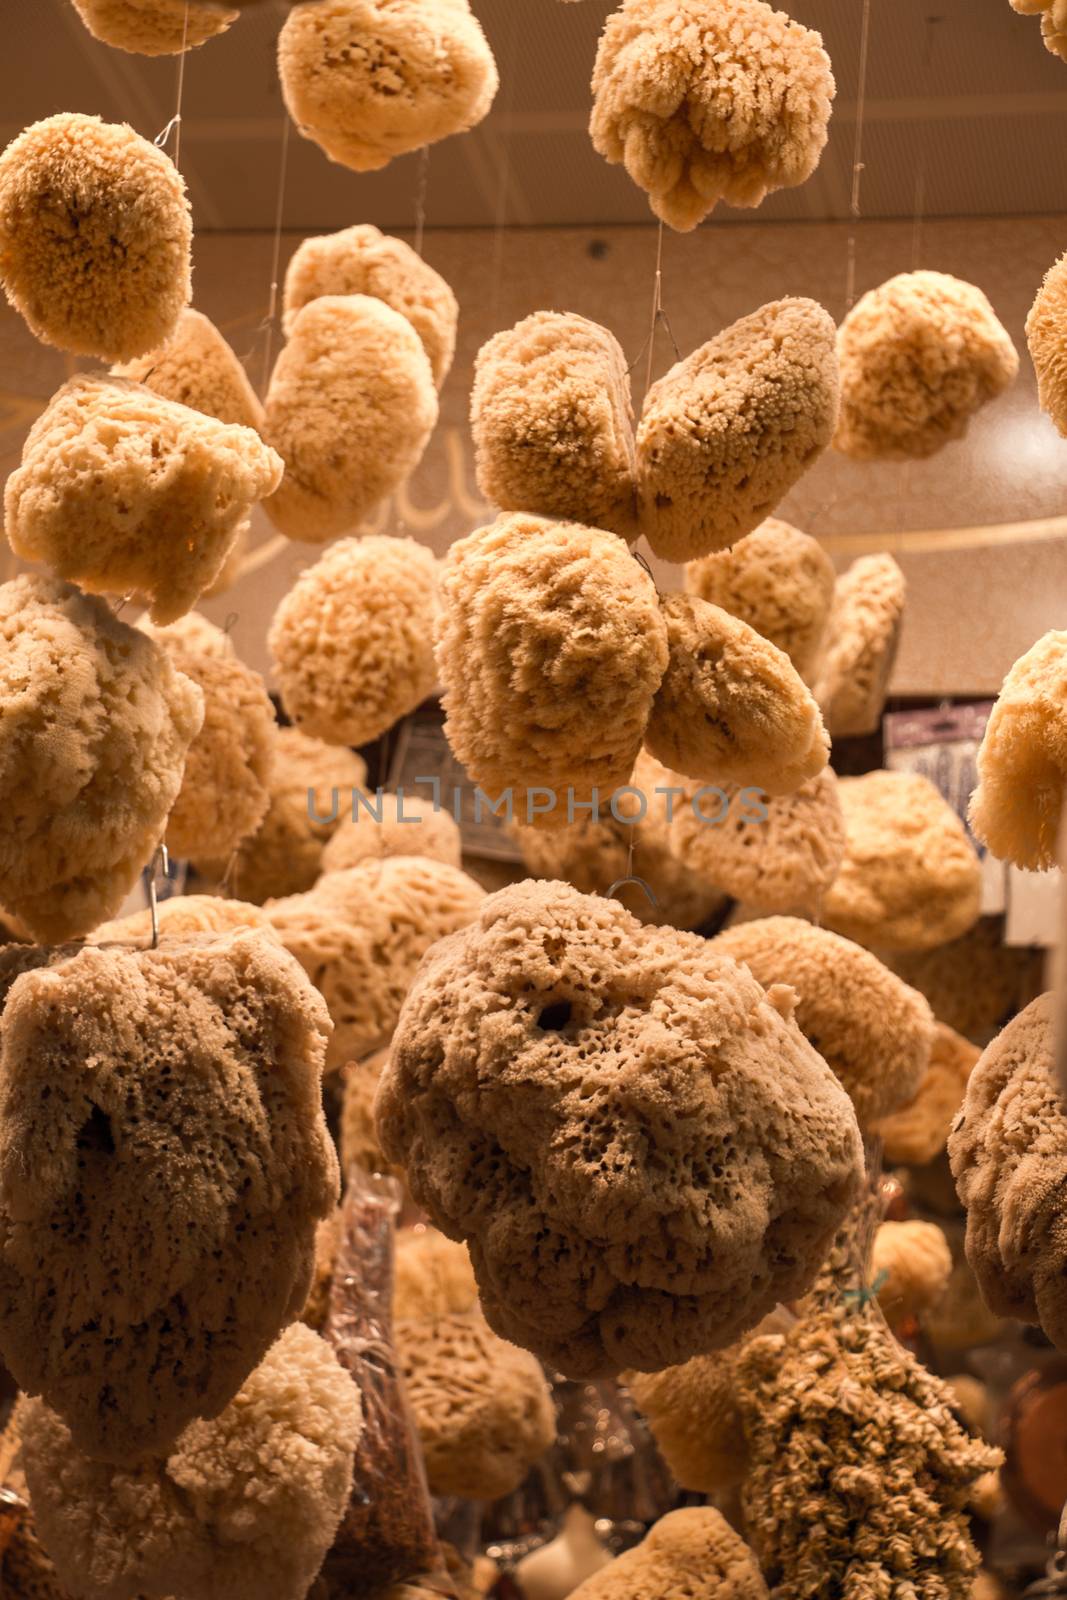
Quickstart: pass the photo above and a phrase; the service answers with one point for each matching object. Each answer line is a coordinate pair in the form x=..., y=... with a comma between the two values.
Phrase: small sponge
x=728, y=432
x=153, y=27
x=197, y=368
x=692, y=1552
x=394, y=825
x=552, y=422
x=358, y=1137
x=1053, y=15
x=916, y=1132
x=911, y=1264
x=372, y=79
x=862, y=639
x=709, y=100
x=1046, y=337
x=183, y=914
x=350, y=410
x=123, y=491
x=95, y=237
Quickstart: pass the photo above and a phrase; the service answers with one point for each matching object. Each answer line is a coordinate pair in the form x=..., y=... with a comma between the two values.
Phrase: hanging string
x=857, y=157
x=420, y=197
x=175, y=124
x=276, y=256
x=657, y=308
x=919, y=209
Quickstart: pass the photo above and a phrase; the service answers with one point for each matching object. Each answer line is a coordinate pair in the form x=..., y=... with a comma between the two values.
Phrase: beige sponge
x=692, y=1552
x=95, y=724
x=184, y=914
x=728, y=432
x=153, y=27
x=862, y=639
x=95, y=237
x=916, y=1132
x=976, y=982
x=350, y=410
x=1047, y=340
x=371, y=79
x=362, y=260
x=552, y=422
x=709, y=100
x=197, y=368
x=1053, y=14
x=393, y=825
x=911, y=1265
x=358, y=1136
x=123, y=491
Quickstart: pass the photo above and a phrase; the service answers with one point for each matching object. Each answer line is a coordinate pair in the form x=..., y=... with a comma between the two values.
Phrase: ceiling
x=965, y=115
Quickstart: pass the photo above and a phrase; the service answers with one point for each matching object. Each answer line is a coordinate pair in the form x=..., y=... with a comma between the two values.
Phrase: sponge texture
x=1046, y=339
x=197, y=368
x=864, y=632
x=917, y=1132
x=1053, y=15
x=152, y=27
x=409, y=826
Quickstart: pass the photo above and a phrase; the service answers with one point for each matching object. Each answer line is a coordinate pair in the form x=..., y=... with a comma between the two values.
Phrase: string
x=175, y=124
x=276, y=257
x=857, y=157
x=420, y=197
x=657, y=309
x=509, y=76
x=919, y=209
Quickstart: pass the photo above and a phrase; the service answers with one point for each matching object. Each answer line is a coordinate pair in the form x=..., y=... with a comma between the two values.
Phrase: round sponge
x=1053, y=22
x=728, y=432
x=352, y=641
x=974, y=983
x=709, y=100
x=395, y=825
x=197, y=368
x=692, y=1552
x=184, y=914
x=152, y=27
x=911, y=1264
x=95, y=237
x=1046, y=342
x=916, y=1133
x=864, y=631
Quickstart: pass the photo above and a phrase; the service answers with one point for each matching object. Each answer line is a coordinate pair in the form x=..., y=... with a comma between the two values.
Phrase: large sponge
x=393, y=825
x=916, y=1133
x=123, y=491
x=371, y=79
x=709, y=100
x=726, y=434
x=350, y=410
x=863, y=635
x=197, y=368
x=95, y=237
x=692, y=1552
x=153, y=27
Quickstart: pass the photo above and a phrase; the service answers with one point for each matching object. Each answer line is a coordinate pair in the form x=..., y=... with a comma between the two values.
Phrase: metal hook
x=641, y=884
x=160, y=858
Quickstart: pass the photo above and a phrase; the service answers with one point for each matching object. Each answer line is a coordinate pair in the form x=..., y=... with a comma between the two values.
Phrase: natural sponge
x=911, y=878
x=183, y=914
x=778, y=580
x=350, y=410
x=731, y=706
x=705, y=100
x=153, y=27
x=862, y=639
x=874, y=1032
x=352, y=641
x=1022, y=760
x=974, y=983
x=1053, y=15
x=552, y=422
x=163, y=1163
x=533, y=1094
x=551, y=647
x=919, y=356
x=241, y=1506
x=358, y=1137
x=95, y=723
x=197, y=368
x=916, y=1132
x=371, y=79
x=692, y=1552
x=95, y=237
x=123, y=491
x=1046, y=339
x=393, y=825
x=911, y=1264
x=361, y=260
x=727, y=433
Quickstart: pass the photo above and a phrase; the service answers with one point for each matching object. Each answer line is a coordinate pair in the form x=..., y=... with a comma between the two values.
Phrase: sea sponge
x=360, y=935
x=352, y=641
x=371, y=79
x=95, y=237
x=361, y=260
x=1022, y=760
x=1053, y=22
x=152, y=27
x=607, y=1226
x=705, y=102
x=193, y=632
x=121, y=490
x=1007, y=1149
x=550, y=648
x=727, y=432
x=916, y=1132
x=197, y=368
x=874, y=1032
x=358, y=1137
x=242, y=1506
x=862, y=639
x=184, y=914
x=350, y=410
x=731, y=705
x=918, y=357
x=974, y=983
x=911, y=878
x=778, y=580
x=1045, y=338
x=433, y=1276
x=776, y=854
x=163, y=1163
x=911, y=1265
x=552, y=422
x=394, y=825
x=95, y=723
x=692, y=1552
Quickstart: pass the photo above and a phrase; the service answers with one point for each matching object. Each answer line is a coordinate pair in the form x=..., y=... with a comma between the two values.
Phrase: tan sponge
x=1053, y=15
x=692, y=1552
x=153, y=27
x=862, y=638
x=197, y=368
x=393, y=825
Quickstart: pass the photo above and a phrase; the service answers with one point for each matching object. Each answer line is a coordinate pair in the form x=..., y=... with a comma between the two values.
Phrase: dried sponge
x=197, y=368
x=731, y=705
x=874, y=1032
x=433, y=1276
x=121, y=490
x=95, y=237
x=1045, y=337
x=728, y=432
x=372, y=79
x=357, y=1135
x=974, y=983
x=692, y=1552
x=911, y=1264
x=911, y=878
x=241, y=1506
x=184, y=914
x=919, y=356
x=163, y=1163
x=1053, y=22
x=393, y=825
x=709, y=100
x=153, y=27
x=862, y=639
x=576, y=1096
x=361, y=260
x=552, y=422
x=350, y=410
x=95, y=723
x=916, y=1132
x=1007, y=1149
x=778, y=580
x=550, y=648
x=352, y=641
x=1022, y=760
